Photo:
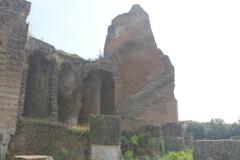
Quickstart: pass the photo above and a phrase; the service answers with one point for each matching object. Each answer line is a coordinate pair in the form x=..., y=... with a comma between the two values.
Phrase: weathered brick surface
x=53, y=88
x=144, y=90
x=105, y=130
x=174, y=137
x=216, y=150
x=13, y=36
x=134, y=79
x=36, y=137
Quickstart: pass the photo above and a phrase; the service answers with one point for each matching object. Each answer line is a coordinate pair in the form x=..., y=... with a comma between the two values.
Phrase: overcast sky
x=201, y=37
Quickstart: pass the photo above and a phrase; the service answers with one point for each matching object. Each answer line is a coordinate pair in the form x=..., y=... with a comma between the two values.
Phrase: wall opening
x=107, y=96
x=98, y=95
x=36, y=103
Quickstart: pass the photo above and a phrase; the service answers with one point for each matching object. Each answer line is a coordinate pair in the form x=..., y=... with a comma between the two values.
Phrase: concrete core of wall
x=106, y=152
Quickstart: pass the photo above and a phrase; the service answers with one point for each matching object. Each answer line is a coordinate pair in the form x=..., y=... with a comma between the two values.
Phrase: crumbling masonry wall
x=216, y=150
x=13, y=36
x=53, y=83
x=134, y=79
x=45, y=138
x=145, y=76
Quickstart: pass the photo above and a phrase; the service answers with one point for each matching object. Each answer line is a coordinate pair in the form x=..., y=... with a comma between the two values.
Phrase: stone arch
x=37, y=86
x=98, y=95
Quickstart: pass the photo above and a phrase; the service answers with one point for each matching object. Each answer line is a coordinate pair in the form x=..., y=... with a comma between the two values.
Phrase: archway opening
x=98, y=95
x=107, y=96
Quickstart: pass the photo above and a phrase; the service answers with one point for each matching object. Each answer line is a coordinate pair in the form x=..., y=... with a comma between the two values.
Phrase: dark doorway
x=98, y=95
x=107, y=96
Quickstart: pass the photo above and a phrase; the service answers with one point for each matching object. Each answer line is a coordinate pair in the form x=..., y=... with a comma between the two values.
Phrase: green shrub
x=62, y=154
x=134, y=140
x=129, y=155
x=197, y=129
x=82, y=131
x=182, y=155
x=162, y=146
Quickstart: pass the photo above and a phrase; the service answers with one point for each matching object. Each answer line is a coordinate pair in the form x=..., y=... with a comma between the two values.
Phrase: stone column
x=4, y=140
x=174, y=137
x=13, y=36
x=105, y=137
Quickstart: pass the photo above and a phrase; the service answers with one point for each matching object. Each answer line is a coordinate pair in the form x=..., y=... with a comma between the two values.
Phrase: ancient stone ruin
x=133, y=80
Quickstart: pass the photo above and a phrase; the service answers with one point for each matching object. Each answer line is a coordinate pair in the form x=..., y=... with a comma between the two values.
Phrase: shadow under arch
x=98, y=95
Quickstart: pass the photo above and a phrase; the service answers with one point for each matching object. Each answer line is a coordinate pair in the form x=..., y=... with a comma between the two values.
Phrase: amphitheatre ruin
x=53, y=101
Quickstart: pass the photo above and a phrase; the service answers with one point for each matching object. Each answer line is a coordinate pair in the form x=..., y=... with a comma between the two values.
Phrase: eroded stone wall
x=134, y=79
x=53, y=88
x=36, y=137
x=105, y=135
x=174, y=135
x=13, y=36
x=145, y=76
x=138, y=75
x=70, y=90
x=216, y=150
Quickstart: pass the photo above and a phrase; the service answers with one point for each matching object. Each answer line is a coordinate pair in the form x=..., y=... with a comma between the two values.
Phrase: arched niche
x=98, y=95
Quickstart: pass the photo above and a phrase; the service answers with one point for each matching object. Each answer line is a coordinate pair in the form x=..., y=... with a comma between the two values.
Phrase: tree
x=217, y=129
x=197, y=130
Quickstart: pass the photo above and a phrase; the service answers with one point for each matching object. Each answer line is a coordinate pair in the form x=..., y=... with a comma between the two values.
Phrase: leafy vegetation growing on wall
x=182, y=155
x=140, y=144
x=144, y=146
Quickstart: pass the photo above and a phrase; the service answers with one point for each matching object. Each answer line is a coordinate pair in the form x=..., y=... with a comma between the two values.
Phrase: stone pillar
x=53, y=93
x=13, y=36
x=4, y=140
x=174, y=136
x=105, y=137
x=188, y=139
x=22, y=91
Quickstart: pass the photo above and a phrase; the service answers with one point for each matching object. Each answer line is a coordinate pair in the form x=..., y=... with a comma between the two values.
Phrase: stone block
x=100, y=152
x=174, y=143
x=33, y=157
x=152, y=131
x=188, y=138
x=173, y=129
x=105, y=129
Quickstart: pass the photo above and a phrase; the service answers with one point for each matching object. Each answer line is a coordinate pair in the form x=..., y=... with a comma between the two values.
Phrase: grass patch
x=79, y=130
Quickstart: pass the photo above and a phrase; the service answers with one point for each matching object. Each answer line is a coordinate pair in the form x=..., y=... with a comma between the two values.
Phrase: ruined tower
x=144, y=75
x=13, y=37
